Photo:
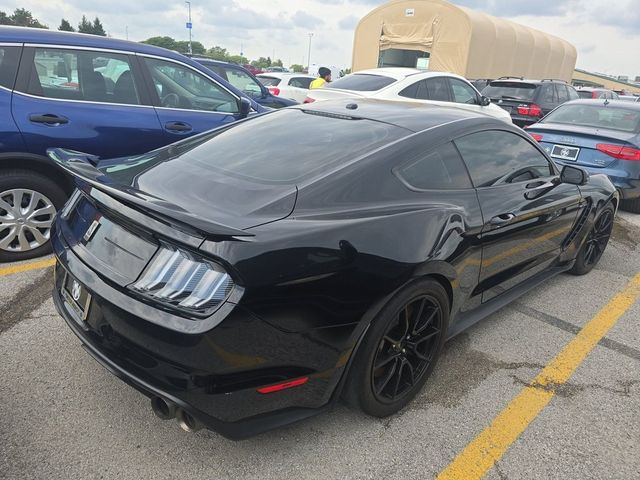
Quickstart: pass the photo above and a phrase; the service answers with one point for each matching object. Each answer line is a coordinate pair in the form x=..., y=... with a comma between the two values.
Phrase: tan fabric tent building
x=456, y=39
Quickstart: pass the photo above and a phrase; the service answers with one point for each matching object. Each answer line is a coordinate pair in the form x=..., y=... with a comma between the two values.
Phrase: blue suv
x=92, y=94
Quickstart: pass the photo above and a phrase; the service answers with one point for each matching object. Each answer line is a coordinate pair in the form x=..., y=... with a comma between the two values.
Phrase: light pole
x=189, y=25
x=309, y=55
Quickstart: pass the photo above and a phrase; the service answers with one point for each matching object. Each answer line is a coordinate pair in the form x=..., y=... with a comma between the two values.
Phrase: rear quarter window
x=269, y=81
x=362, y=82
x=9, y=57
x=440, y=169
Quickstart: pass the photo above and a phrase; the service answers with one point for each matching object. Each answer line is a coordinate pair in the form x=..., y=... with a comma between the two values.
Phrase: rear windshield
x=269, y=81
x=510, y=91
x=585, y=94
x=362, y=82
x=282, y=147
x=597, y=116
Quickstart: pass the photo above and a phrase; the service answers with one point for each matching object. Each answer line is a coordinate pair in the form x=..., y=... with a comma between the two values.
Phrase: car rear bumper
x=208, y=375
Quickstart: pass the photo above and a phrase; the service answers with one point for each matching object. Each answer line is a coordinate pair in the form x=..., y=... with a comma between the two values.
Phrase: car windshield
x=585, y=94
x=282, y=147
x=269, y=81
x=597, y=116
x=510, y=91
x=362, y=82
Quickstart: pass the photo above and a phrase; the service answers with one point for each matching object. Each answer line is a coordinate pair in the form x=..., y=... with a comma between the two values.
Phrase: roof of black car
x=413, y=116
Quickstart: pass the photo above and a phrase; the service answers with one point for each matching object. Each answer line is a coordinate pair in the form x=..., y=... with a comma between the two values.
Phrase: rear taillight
x=309, y=100
x=594, y=94
x=183, y=281
x=532, y=110
x=536, y=136
x=619, y=151
x=274, y=91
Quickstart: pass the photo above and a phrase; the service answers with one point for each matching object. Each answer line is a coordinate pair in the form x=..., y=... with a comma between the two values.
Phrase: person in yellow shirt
x=324, y=76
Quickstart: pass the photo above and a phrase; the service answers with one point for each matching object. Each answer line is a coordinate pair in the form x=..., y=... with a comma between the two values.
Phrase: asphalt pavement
x=62, y=416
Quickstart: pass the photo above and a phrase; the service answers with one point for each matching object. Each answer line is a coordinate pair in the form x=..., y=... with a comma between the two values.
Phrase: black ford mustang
x=251, y=276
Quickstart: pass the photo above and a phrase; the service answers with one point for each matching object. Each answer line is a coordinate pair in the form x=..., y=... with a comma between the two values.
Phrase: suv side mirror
x=573, y=175
x=244, y=107
x=485, y=101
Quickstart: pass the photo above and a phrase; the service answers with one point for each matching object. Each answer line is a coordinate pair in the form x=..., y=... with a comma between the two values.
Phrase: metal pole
x=126, y=28
x=309, y=55
x=190, y=49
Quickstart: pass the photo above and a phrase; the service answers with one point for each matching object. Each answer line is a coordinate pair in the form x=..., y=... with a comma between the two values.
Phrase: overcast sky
x=606, y=33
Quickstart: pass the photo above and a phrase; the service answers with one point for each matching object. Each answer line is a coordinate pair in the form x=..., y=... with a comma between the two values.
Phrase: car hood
x=333, y=93
x=213, y=203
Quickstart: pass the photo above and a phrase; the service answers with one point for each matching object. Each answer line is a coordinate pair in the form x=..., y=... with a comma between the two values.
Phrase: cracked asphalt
x=62, y=416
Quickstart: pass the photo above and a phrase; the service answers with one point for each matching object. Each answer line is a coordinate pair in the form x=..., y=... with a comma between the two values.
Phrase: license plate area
x=563, y=152
x=76, y=297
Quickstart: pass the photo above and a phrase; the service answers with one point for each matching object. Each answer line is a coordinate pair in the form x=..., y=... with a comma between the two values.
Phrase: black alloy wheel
x=595, y=243
x=400, y=349
x=406, y=350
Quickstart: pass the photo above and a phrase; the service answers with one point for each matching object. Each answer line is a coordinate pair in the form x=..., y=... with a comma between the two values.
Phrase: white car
x=410, y=85
x=288, y=85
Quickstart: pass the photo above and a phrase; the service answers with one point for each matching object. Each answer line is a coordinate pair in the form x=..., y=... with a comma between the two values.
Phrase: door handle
x=48, y=118
x=502, y=219
x=178, y=127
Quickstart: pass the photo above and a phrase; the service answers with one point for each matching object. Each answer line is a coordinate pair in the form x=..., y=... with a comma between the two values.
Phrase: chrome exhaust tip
x=163, y=409
x=187, y=422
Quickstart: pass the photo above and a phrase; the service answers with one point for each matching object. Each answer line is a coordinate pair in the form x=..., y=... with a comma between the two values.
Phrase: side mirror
x=484, y=101
x=244, y=107
x=573, y=175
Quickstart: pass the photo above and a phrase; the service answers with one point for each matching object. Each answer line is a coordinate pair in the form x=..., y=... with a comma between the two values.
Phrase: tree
x=22, y=18
x=297, y=68
x=218, y=53
x=277, y=63
x=5, y=19
x=97, y=28
x=65, y=26
x=262, y=62
x=164, y=42
x=239, y=59
x=196, y=47
x=85, y=25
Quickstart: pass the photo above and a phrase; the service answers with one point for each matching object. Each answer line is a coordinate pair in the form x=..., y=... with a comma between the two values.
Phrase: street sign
x=189, y=24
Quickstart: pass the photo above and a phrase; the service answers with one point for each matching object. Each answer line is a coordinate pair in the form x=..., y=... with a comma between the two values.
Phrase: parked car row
x=113, y=98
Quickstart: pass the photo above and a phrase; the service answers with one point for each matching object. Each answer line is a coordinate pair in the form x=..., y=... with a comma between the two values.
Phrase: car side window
x=463, y=93
x=563, y=94
x=440, y=169
x=438, y=89
x=417, y=90
x=179, y=86
x=9, y=57
x=300, y=82
x=496, y=157
x=82, y=75
x=547, y=94
x=243, y=82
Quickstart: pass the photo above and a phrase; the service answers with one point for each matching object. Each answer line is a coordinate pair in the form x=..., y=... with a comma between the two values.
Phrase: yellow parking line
x=490, y=445
x=25, y=267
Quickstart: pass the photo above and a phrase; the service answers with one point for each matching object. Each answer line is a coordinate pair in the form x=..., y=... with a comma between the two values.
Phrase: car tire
x=631, y=205
x=416, y=319
x=39, y=194
x=595, y=243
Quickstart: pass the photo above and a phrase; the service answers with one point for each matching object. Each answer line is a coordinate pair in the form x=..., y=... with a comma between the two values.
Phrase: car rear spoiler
x=83, y=166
